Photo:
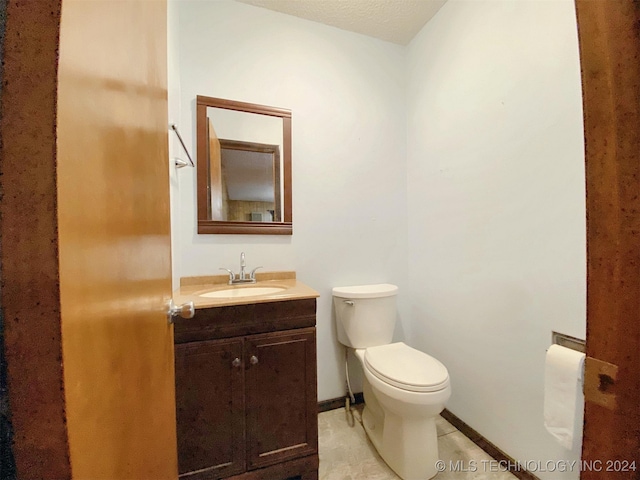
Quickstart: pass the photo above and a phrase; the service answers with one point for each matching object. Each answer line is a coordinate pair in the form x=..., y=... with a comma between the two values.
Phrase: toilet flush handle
x=349, y=302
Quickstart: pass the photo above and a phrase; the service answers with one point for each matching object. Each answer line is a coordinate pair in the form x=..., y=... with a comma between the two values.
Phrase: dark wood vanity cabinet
x=246, y=400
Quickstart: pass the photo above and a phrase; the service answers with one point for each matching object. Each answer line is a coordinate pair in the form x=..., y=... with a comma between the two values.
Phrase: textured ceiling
x=395, y=21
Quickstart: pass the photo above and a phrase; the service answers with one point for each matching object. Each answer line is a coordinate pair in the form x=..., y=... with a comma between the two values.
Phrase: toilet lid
x=407, y=368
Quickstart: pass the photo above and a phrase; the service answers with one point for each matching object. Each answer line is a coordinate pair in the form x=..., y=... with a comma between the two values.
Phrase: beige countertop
x=192, y=287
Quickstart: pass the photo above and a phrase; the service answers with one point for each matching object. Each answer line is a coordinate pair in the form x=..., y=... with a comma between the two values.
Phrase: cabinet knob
x=253, y=360
x=236, y=362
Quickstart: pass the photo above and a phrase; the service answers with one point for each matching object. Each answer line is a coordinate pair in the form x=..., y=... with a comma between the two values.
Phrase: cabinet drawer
x=237, y=320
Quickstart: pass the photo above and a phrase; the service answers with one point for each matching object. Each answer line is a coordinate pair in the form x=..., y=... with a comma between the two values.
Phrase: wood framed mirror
x=244, y=168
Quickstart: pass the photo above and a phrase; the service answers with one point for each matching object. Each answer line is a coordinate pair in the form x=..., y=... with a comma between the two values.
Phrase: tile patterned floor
x=347, y=454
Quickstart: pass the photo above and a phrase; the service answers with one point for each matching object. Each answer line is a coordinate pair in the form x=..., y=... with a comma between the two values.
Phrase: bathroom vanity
x=246, y=399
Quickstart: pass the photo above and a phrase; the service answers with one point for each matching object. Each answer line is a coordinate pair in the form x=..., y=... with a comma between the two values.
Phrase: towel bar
x=182, y=163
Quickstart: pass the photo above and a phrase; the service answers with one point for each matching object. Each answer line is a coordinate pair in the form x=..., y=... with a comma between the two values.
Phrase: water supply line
x=350, y=395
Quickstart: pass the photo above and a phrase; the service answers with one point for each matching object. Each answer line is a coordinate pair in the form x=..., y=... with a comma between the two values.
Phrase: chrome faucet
x=242, y=276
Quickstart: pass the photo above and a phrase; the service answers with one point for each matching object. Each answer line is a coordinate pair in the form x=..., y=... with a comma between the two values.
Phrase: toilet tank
x=365, y=314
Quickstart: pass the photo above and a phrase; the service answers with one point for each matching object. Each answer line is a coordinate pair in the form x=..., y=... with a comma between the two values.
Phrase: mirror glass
x=244, y=167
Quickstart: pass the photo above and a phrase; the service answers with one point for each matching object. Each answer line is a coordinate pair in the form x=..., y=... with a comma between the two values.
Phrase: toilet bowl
x=404, y=388
x=399, y=417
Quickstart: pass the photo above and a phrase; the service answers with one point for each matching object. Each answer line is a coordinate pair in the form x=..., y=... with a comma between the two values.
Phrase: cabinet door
x=210, y=408
x=281, y=398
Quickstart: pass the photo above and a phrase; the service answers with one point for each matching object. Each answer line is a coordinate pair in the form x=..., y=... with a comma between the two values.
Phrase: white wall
x=346, y=94
x=175, y=149
x=496, y=208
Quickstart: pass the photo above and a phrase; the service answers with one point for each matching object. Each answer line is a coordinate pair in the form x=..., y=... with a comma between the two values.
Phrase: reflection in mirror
x=250, y=186
x=244, y=165
x=244, y=168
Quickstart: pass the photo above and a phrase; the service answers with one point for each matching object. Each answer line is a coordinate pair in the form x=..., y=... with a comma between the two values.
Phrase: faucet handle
x=252, y=275
x=231, y=274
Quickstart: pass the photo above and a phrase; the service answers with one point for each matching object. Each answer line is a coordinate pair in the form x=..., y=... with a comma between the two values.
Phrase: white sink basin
x=237, y=292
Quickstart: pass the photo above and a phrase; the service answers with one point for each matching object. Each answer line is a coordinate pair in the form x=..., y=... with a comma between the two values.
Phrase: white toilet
x=404, y=389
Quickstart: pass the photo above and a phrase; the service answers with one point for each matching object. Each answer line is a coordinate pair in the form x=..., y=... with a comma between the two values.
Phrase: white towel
x=563, y=398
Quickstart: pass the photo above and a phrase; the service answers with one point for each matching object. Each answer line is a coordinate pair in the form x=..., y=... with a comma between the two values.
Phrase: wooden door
x=281, y=403
x=210, y=408
x=29, y=240
x=609, y=56
x=114, y=240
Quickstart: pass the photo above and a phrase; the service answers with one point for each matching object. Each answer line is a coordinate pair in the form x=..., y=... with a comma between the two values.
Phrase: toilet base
x=408, y=445
x=402, y=425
